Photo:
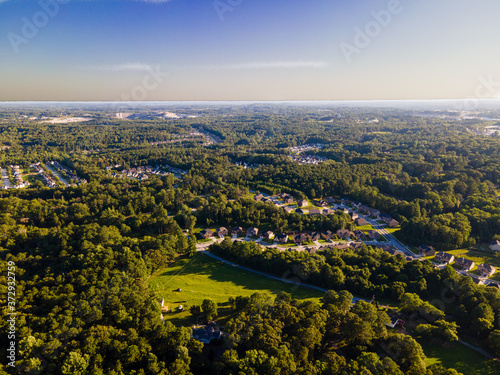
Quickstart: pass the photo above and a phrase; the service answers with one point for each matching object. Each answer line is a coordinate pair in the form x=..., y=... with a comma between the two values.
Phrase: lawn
x=202, y=277
x=496, y=277
x=287, y=245
x=365, y=227
x=204, y=240
x=392, y=230
x=249, y=195
x=461, y=358
x=31, y=178
x=267, y=242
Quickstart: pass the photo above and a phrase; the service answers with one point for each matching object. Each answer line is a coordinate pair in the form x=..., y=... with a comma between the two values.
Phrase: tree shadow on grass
x=202, y=265
x=179, y=319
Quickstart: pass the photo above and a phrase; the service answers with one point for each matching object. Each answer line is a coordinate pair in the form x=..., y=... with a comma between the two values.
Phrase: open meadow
x=202, y=277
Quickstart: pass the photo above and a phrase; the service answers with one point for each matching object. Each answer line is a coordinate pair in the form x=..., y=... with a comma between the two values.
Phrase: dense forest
x=373, y=273
x=83, y=254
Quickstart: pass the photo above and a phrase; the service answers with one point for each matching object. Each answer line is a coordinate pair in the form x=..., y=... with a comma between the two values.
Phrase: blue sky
x=251, y=50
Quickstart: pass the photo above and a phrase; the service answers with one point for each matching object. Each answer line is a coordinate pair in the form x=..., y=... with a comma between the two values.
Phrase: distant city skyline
x=129, y=50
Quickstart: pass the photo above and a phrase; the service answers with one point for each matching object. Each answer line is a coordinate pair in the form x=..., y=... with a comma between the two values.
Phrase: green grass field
x=393, y=230
x=202, y=277
x=461, y=358
x=365, y=227
x=249, y=195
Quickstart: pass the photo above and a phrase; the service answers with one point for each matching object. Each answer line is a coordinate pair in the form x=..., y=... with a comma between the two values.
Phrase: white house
x=495, y=245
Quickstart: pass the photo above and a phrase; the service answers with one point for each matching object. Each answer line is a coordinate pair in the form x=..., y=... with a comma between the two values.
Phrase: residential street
x=57, y=174
x=393, y=241
x=5, y=179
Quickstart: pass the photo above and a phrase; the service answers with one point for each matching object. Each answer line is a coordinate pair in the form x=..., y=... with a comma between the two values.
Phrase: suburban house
x=486, y=269
x=427, y=251
x=330, y=200
x=328, y=211
x=357, y=245
x=315, y=211
x=385, y=217
x=495, y=245
x=391, y=250
x=477, y=280
x=373, y=234
x=302, y=203
x=206, y=335
x=395, y=321
x=363, y=209
x=251, y=232
x=353, y=215
x=287, y=209
x=344, y=201
x=311, y=250
x=327, y=235
x=315, y=236
x=344, y=234
x=258, y=197
x=345, y=210
x=222, y=232
x=288, y=199
x=322, y=203
x=373, y=212
x=445, y=257
x=267, y=234
x=281, y=238
x=300, y=238
x=360, y=234
x=206, y=233
x=393, y=223
x=342, y=246
x=464, y=264
x=361, y=221
x=299, y=211
x=237, y=231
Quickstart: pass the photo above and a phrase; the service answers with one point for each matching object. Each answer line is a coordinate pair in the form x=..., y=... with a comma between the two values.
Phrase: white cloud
x=133, y=67
x=269, y=65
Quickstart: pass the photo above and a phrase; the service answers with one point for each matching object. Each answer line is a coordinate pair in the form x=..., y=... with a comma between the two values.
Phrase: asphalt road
x=393, y=241
x=57, y=174
x=5, y=179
